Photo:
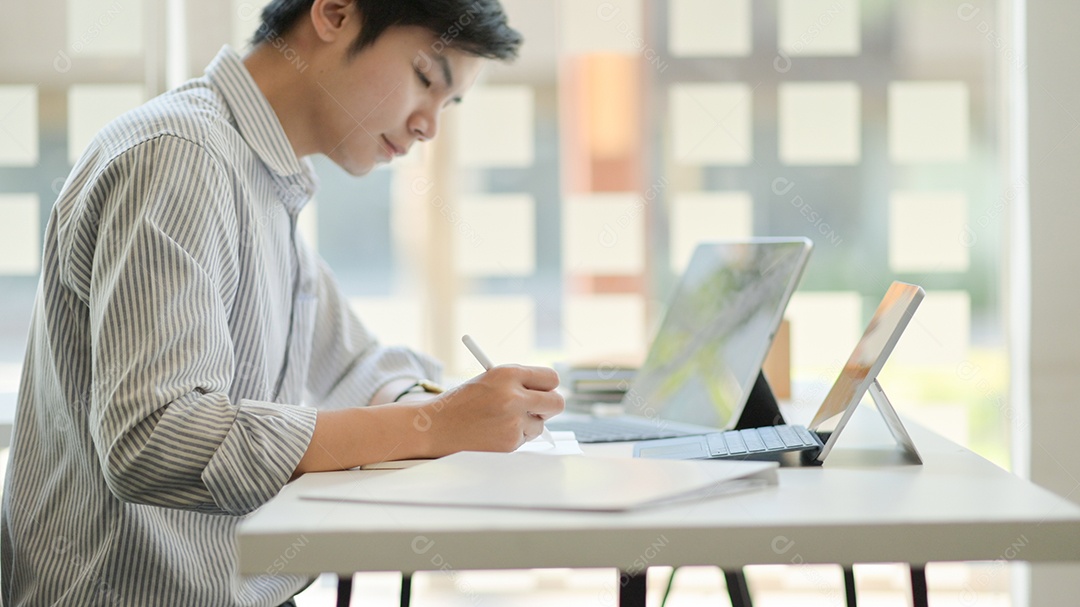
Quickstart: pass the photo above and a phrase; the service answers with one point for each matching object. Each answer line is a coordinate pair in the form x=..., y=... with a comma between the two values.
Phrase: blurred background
x=553, y=215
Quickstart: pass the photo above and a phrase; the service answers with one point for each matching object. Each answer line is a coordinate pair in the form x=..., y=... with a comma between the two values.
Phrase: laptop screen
x=714, y=337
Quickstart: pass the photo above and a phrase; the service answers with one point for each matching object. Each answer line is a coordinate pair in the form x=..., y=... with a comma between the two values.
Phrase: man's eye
x=423, y=79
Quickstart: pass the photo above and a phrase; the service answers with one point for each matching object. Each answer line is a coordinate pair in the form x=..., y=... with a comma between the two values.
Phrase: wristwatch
x=421, y=385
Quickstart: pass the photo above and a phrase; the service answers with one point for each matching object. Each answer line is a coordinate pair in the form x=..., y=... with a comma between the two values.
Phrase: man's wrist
x=421, y=386
x=393, y=389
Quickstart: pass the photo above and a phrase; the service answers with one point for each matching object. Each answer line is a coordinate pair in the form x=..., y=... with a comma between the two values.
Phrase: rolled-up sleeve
x=277, y=435
x=164, y=271
x=348, y=364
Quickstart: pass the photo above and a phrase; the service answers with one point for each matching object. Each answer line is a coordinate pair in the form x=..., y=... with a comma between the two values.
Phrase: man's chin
x=360, y=172
x=357, y=169
x=356, y=165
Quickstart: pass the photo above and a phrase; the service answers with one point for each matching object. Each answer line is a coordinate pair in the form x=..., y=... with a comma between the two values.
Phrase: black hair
x=476, y=27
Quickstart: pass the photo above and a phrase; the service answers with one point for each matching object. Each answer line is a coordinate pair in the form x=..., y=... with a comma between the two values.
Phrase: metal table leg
x=344, y=590
x=737, y=588
x=632, y=589
x=849, y=585
x=918, y=586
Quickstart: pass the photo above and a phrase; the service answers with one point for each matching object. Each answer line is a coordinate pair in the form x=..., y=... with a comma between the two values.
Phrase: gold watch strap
x=425, y=385
x=430, y=386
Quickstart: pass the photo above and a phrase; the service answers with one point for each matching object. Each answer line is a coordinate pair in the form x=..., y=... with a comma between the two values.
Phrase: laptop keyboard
x=766, y=443
x=601, y=430
x=737, y=443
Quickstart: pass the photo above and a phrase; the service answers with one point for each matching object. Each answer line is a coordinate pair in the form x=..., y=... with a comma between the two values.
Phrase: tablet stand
x=761, y=407
x=892, y=420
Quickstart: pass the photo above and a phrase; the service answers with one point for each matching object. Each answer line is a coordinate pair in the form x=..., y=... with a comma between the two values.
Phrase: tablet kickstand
x=892, y=420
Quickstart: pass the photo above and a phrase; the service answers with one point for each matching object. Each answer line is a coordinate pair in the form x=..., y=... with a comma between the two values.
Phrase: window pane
x=820, y=123
x=604, y=234
x=707, y=216
x=18, y=125
x=92, y=106
x=702, y=28
x=928, y=121
x=926, y=232
x=711, y=123
x=820, y=27
x=20, y=229
x=497, y=127
x=105, y=27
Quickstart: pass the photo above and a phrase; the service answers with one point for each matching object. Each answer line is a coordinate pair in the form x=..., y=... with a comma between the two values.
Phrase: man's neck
x=286, y=90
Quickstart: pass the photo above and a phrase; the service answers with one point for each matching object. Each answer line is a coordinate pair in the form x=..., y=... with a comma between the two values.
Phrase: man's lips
x=393, y=149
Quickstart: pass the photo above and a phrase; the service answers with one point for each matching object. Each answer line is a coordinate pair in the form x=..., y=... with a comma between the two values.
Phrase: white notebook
x=552, y=482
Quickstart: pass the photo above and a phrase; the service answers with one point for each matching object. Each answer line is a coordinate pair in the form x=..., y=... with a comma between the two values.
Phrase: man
x=180, y=320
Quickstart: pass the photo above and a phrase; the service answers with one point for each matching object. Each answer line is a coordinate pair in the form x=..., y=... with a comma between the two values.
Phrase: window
x=552, y=218
x=575, y=183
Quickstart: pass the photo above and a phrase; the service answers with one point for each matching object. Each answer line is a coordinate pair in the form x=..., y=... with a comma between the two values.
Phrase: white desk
x=956, y=507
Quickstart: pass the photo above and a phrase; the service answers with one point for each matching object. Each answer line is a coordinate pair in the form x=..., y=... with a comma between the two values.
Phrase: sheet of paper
x=562, y=443
x=552, y=482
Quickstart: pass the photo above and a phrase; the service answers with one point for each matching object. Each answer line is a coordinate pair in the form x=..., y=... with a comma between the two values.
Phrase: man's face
x=376, y=104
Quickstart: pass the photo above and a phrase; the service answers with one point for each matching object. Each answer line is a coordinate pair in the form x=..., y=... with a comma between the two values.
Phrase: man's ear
x=332, y=19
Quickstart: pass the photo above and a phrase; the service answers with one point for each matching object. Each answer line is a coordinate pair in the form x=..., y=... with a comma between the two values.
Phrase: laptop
x=706, y=357
x=814, y=443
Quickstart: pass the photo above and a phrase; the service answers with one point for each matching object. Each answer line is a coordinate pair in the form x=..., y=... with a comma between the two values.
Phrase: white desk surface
x=863, y=506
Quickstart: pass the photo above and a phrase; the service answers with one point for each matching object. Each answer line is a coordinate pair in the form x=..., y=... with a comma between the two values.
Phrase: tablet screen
x=873, y=349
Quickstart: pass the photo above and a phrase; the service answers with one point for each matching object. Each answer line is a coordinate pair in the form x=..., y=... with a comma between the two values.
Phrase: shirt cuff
x=259, y=454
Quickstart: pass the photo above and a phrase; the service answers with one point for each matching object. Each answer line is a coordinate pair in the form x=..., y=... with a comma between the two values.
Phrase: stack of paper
x=585, y=385
x=552, y=482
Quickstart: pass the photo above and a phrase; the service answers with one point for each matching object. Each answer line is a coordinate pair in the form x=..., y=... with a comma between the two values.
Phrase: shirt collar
x=260, y=127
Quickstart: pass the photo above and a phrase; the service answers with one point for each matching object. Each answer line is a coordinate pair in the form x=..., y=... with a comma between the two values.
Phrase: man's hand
x=497, y=410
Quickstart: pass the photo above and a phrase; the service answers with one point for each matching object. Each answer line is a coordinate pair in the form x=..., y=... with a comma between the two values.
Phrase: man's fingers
x=546, y=405
x=534, y=427
x=538, y=378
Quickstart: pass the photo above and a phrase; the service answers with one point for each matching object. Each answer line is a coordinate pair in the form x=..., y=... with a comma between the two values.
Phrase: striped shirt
x=180, y=323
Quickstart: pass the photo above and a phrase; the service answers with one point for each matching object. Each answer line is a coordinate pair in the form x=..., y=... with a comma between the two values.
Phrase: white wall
x=1053, y=70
